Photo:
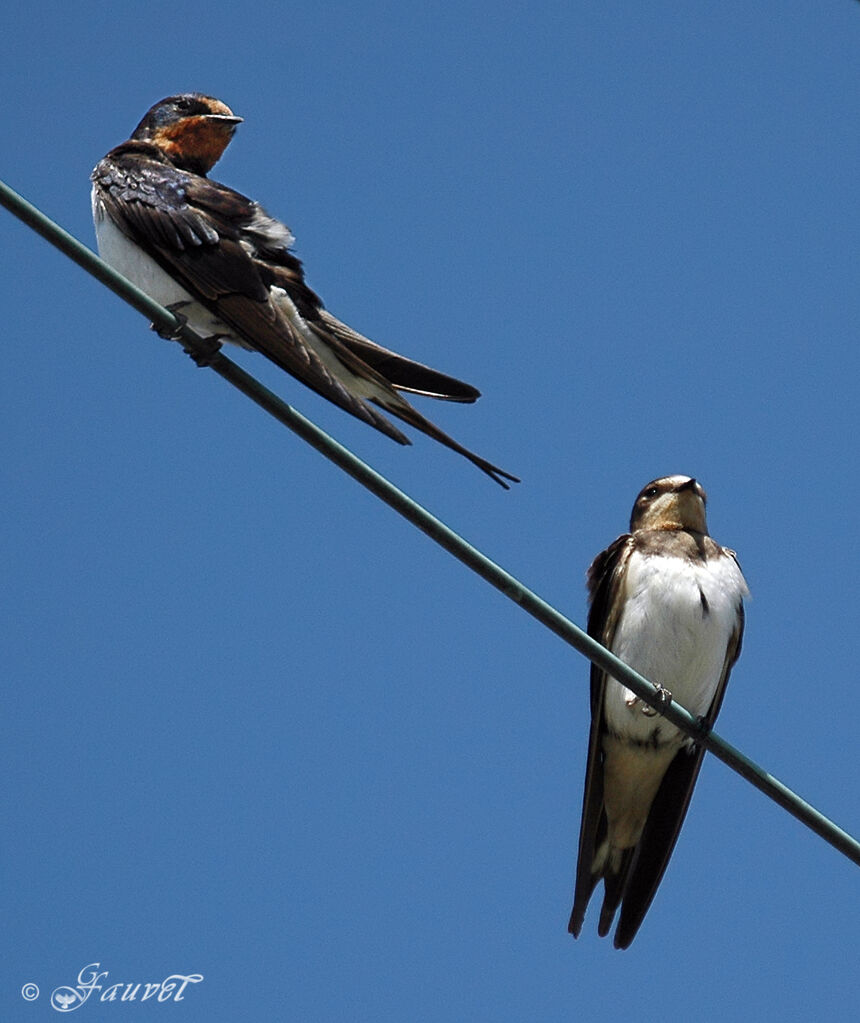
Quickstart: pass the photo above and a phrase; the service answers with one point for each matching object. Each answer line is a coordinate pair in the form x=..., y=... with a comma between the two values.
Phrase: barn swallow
x=224, y=266
x=667, y=600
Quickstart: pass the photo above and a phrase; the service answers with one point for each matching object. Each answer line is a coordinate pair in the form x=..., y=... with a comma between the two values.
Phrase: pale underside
x=678, y=619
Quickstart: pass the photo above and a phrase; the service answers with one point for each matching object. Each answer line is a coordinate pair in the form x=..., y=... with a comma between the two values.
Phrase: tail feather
x=402, y=373
x=322, y=357
x=407, y=414
x=615, y=880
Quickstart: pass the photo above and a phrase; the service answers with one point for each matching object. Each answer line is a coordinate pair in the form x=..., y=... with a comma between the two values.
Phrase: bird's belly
x=132, y=262
x=675, y=628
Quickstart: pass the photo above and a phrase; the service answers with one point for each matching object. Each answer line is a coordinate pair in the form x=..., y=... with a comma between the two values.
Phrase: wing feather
x=605, y=578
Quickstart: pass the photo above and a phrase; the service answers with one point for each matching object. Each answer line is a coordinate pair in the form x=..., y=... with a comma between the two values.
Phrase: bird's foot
x=664, y=698
x=176, y=333
x=204, y=350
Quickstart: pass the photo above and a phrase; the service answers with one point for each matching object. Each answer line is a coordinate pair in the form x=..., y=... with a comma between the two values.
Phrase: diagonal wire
x=207, y=353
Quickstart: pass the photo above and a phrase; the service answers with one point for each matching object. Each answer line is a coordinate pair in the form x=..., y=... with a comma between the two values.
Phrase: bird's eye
x=184, y=105
x=652, y=492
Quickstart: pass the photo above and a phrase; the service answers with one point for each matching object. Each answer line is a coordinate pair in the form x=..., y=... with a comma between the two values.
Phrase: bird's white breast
x=132, y=262
x=677, y=620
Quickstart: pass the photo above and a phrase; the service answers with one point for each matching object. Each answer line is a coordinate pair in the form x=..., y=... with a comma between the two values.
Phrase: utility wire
x=207, y=353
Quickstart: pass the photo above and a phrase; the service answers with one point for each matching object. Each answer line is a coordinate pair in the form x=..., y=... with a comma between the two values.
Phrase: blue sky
x=258, y=728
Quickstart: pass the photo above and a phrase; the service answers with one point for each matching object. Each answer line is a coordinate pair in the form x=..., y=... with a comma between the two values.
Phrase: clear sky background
x=257, y=727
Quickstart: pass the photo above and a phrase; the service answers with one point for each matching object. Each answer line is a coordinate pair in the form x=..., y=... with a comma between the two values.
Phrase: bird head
x=192, y=130
x=671, y=502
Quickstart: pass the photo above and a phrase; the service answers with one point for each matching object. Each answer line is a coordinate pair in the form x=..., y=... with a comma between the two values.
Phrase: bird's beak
x=230, y=120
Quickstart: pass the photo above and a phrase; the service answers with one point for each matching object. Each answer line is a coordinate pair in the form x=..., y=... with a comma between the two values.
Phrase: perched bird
x=667, y=600
x=219, y=261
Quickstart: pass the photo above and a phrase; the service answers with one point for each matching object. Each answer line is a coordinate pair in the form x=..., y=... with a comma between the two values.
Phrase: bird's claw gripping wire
x=664, y=698
x=174, y=334
x=202, y=350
